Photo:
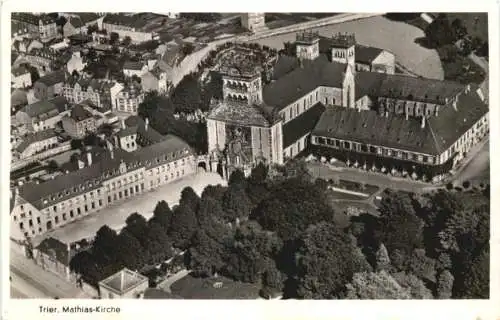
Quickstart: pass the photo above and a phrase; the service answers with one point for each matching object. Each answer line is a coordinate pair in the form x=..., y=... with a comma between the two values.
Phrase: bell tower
x=242, y=86
x=307, y=45
x=343, y=49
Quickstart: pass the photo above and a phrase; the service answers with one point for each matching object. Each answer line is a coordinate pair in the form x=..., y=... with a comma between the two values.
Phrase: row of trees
x=278, y=230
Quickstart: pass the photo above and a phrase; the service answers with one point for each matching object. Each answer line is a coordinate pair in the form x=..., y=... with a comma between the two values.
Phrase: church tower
x=243, y=86
x=343, y=48
x=307, y=45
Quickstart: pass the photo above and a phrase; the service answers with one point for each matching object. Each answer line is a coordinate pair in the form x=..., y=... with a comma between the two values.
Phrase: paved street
x=31, y=281
x=165, y=285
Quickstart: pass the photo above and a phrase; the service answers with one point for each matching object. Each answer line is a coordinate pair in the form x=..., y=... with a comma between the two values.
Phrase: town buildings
x=100, y=93
x=129, y=98
x=75, y=63
x=125, y=284
x=346, y=110
x=128, y=26
x=40, y=26
x=55, y=256
x=50, y=85
x=42, y=115
x=133, y=68
x=79, y=123
x=155, y=80
x=36, y=142
x=20, y=78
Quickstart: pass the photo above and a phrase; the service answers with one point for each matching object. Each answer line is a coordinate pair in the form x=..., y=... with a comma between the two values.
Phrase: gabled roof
x=302, y=80
x=284, y=65
x=58, y=250
x=79, y=113
x=405, y=87
x=53, y=78
x=302, y=124
x=365, y=54
x=35, y=137
x=133, y=65
x=55, y=105
x=394, y=131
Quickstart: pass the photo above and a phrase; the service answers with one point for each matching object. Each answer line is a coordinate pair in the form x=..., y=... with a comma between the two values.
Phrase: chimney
x=89, y=158
x=81, y=165
x=455, y=104
x=406, y=114
x=467, y=89
x=436, y=111
x=146, y=124
x=387, y=114
x=423, y=122
x=123, y=123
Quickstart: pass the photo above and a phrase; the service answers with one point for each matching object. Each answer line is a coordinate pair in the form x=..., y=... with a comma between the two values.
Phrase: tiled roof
x=394, y=131
x=299, y=82
x=78, y=113
x=19, y=71
x=365, y=54
x=58, y=250
x=137, y=124
x=133, y=65
x=55, y=105
x=302, y=124
x=53, y=78
x=284, y=65
x=137, y=21
x=35, y=137
x=75, y=22
x=405, y=87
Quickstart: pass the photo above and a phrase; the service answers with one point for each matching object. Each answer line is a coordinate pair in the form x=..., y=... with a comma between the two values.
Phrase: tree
x=186, y=96
x=187, y=49
x=76, y=144
x=130, y=251
x=182, y=227
x=214, y=192
x=137, y=225
x=258, y=174
x=92, y=28
x=127, y=41
x=371, y=285
x=250, y=252
x=440, y=32
x=52, y=166
x=162, y=214
x=475, y=283
x=207, y=255
x=483, y=50
x=326, y=260
x=236, y=203
x=382, y=259
x=422, y=266
x=158, y=245
x=459, y=28
x=445, y=285
x=273, y=278
x=208, y=210
x=237, y=178
x=74, y=157
x=190, y=199
x=113, y=38
x=417, y=288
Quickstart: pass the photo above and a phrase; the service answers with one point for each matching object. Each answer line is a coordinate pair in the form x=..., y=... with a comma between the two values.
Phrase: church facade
x=392, y=123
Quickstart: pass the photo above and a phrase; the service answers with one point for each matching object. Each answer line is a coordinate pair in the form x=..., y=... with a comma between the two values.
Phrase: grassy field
x=190, y=287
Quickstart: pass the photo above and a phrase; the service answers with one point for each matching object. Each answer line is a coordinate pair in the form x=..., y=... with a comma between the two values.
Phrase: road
x=165, y=285
x=31, y=281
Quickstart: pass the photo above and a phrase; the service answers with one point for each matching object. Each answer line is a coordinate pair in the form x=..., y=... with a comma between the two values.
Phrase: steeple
x=343, y=48
x=307, y=45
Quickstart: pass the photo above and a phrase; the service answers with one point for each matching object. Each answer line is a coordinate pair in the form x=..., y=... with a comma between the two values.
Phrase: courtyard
x=380, y=32
x=114, y=216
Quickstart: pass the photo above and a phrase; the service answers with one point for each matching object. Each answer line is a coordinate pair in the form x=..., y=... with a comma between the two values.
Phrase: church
x=322, y=102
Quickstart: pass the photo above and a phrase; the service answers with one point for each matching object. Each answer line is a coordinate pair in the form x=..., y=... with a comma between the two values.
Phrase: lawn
x=190, y=287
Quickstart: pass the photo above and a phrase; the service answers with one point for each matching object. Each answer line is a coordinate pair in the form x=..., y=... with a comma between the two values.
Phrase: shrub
x=466, y=184
x=449, y=186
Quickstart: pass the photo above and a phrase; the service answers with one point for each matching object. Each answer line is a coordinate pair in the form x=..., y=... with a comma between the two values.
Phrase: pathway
x=165, y=285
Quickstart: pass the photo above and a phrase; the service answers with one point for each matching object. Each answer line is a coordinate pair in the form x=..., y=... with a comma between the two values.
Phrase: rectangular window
x=100, y=203
x=126, y=193
x=347, y=145
x=136, y=188
x=54, y=208
x=86, y=208
x=109, y=199
x=425, y=158
x=93, y=205
x=115, y=197
x=71, y=213
x=64, y=216
x=79, y=211
x=57, y=219
x=120, y=195
x=38, y=220
x=30, y=223
x=131, y=190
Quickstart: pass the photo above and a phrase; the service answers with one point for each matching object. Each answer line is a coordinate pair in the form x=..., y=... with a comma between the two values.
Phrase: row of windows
x=298, y=108
x=340, y=144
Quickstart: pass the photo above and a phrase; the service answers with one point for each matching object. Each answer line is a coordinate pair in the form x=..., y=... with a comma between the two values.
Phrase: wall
x=66, y=146
x=132, y=294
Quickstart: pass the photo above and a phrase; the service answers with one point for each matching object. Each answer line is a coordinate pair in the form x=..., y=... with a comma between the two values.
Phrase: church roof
x=241, y=113
x=302, y=80
x=366, y=54
x=302, y=124
x=394, y=131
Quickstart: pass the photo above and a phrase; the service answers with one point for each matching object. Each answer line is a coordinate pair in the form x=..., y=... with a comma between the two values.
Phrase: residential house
x=132, y=26
x=131, y=68
x=125, y=284
x=79, y=123
x=18, y=99
x=76, y=63
x=74, y=25
x=44, y=60
x=20, y=77
x=42, y=115
x=18, y=31
x=41, y=26
x=155, y=80
x=36, y=142
x=129, y=99
x=102, y=93
x=50, y=85
x=26, y=45
x=55, y=256
x=60, y=45
x=126, y=138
